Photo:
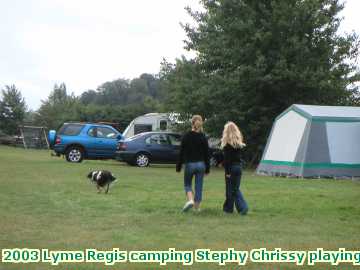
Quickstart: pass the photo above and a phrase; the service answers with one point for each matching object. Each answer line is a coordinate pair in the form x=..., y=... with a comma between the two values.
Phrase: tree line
x=117, y=101
x=253, y=60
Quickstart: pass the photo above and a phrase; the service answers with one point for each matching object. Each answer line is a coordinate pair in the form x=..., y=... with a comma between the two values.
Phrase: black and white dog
x=101, y=179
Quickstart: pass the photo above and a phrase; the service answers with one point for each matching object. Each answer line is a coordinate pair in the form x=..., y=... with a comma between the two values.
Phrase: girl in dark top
x=232, y=142
x=194, y=153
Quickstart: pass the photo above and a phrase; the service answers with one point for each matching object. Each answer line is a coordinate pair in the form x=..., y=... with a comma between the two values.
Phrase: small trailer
x=150, y=122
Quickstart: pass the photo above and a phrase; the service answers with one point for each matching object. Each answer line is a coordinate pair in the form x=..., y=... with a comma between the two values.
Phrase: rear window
x=71, y=129
x=140, y=128
x=135, y=137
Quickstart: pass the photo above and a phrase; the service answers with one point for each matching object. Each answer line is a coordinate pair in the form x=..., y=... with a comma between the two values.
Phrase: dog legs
x=100, y=188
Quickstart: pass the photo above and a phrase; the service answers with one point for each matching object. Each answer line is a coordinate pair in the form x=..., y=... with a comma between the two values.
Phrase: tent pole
x=46, y=139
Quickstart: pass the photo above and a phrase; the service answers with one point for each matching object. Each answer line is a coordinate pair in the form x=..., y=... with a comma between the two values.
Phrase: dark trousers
x=233, y=193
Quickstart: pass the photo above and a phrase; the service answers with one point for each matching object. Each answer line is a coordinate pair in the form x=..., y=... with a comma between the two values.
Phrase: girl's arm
x=206, y=155
x=227, y=161
x=181, y=155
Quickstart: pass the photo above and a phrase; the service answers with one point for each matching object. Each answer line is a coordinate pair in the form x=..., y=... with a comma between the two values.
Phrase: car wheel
x=74, y=154
x=213, y=162
x=142, y=160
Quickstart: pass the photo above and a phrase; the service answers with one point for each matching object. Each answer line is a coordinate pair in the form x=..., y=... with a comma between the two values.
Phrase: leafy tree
x=152, y=85
x=122, y=92
x=58, y=108
x=138, y=91
x=256, y=58
x=113, y=93
x=30, y=117
x=88, y=97
x=187, y=88
x=12, y=110
x=121, y=100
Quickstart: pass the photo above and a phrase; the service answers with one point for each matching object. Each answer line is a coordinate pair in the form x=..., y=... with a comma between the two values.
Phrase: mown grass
x=46, y=202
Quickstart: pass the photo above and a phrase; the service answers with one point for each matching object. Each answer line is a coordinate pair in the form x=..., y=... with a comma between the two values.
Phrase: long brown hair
x=197, y=123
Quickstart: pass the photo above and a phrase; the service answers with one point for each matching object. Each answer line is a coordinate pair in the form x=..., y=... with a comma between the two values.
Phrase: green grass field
x=46, y=202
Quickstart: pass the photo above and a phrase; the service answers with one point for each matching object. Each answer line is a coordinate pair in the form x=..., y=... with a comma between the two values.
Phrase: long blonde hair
x=232, y=136
x=197, y=123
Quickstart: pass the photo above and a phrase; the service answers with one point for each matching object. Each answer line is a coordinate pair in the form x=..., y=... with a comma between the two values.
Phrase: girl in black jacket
x=194, y=153
x=232, y=142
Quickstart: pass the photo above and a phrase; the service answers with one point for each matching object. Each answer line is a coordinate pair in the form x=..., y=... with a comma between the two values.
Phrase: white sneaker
x=188, y=205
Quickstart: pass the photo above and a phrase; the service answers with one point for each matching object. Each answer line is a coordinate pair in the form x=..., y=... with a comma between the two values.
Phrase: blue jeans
x=233, y=193
x=197, y=169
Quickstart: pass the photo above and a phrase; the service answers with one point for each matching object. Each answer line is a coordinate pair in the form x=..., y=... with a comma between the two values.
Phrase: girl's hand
x=227, y=175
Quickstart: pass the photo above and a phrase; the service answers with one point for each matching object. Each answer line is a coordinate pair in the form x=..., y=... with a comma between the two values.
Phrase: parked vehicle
x=85, y=140
x=150, y=122
x=154, y=147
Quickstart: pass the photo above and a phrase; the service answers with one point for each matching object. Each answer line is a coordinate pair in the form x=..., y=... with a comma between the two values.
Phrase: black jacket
x=194, y=147
x=231, y=156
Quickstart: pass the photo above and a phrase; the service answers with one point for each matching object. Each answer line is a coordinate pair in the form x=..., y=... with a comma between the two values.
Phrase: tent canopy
x=326, y=112
x=314, y=141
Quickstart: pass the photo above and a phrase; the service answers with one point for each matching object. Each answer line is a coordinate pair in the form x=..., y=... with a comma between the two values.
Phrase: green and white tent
x=314, y=141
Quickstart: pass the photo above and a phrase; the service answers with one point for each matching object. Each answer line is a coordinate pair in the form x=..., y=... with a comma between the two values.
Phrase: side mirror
x=119, y=136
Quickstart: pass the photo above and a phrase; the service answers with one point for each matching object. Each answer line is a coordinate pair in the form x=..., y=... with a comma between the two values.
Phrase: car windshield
x=105, y=132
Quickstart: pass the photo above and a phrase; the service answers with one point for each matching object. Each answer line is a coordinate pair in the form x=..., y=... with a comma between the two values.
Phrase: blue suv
x=85, y=140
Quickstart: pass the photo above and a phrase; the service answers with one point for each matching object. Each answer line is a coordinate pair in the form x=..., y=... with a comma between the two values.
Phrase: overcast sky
x=87, y=42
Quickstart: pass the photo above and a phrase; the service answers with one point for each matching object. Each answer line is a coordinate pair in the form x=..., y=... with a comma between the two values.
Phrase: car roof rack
x=114, y=125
